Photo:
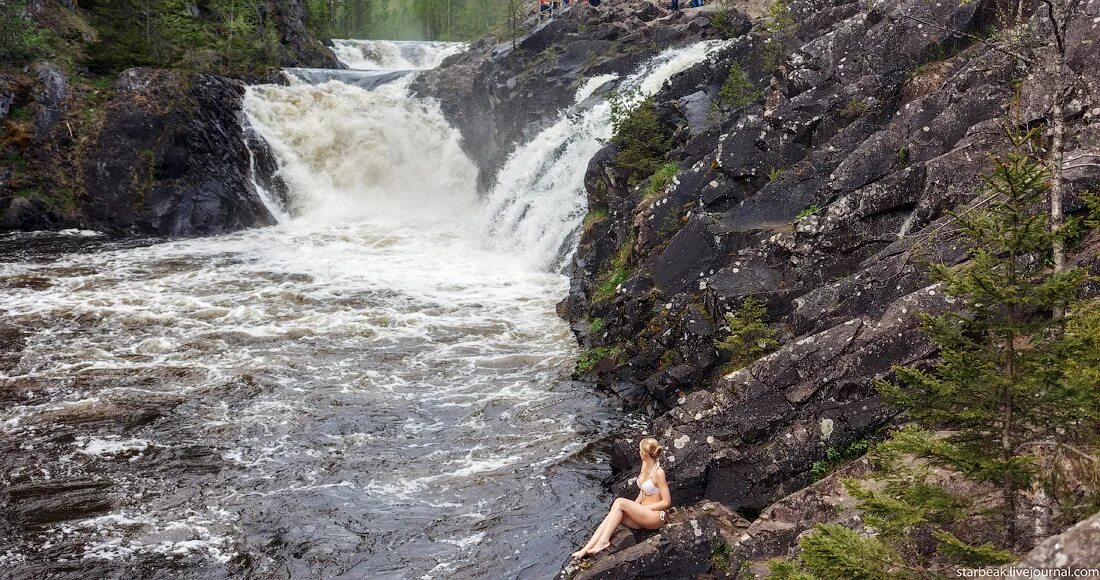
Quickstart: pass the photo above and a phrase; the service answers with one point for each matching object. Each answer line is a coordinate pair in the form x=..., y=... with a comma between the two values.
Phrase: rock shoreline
x=819, y=198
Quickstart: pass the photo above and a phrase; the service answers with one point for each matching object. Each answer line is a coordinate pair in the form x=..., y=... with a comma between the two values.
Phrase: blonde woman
x=648, y=510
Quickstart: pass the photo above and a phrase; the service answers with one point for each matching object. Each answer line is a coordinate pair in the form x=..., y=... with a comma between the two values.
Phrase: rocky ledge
x=159, y=152
x=500, y=93
x=818, y=194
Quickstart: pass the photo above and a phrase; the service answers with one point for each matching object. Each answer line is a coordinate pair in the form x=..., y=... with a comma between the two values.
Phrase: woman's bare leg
x=591, y=541
x=638, y=513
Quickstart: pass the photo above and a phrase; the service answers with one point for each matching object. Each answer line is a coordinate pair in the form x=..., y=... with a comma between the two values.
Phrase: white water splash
x=538, y=202
x=348, y=153
x=394, y=55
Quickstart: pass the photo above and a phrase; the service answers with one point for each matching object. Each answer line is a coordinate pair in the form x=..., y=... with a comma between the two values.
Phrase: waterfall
x=394, y=55
x=538, y=202
x=346, y=152
x=352, y=152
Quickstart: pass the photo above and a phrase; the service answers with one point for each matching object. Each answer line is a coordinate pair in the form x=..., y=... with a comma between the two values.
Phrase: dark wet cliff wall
x=142, y=151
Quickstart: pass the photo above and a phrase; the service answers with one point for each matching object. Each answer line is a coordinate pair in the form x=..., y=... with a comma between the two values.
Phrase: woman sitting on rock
x=646, y=511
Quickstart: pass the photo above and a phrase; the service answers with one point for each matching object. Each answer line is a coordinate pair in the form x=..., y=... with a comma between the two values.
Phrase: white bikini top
x=647, y=486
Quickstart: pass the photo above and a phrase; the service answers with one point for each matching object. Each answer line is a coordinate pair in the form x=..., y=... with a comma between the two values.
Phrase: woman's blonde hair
x=651, y=448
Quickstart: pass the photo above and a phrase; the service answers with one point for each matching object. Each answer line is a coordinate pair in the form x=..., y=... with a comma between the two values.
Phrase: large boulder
x=172, y=158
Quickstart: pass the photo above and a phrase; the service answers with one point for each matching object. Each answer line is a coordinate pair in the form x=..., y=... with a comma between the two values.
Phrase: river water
x=377, y=387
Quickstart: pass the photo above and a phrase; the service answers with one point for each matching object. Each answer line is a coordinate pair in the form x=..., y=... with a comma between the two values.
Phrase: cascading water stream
x=538, y=202
x=376, y=387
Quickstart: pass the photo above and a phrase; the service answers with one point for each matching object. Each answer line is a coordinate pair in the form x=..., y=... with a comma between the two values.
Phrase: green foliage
x=835, y=552
x=854, y=109
x=971, y=556
x=779, y=20
x=1007, y=374
x=1012, y=377
x=21, y=38
x=643, y=141
x=807, y=212
x=607, y=288
x=595, y=216
x=780, y=569
x=660, y=180
x=231, y=36
x=724, y=23
x=775, y=174
x=596, y=325
x=720, y=555
x=618, y=274
x=772, y=53
x=750, y=338
x=835, y=457
x=590, y=358
x=737, y=91
x=417, y=19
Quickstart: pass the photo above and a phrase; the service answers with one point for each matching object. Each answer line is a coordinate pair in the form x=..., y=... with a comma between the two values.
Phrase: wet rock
x=171, y=158
x=681, y=548
x=27, y=214
x=44, y=503
x=49, y=95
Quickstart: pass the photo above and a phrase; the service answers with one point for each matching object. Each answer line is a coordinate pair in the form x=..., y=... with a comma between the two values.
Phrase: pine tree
x=1014, y=381
x=1001, y=383
x=749, y=338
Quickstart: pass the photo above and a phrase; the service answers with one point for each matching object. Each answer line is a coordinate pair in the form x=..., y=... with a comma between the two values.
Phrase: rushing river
x=378, y=387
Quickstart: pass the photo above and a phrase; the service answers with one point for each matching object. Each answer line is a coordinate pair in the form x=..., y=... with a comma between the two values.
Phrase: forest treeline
x=414, y=19
x=231, y=36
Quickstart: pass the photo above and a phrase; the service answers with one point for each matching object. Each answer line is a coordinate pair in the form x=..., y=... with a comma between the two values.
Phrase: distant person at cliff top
x=647, y=511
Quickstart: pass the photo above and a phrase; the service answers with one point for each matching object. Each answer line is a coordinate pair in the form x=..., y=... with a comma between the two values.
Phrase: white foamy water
x=376, y=387
x=538, y=202
x=394, y=55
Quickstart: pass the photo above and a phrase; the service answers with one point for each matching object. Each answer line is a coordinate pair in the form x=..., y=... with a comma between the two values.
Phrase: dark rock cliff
x=171, y=158
x=820, y=198
x=501, y=93
x=155, y=152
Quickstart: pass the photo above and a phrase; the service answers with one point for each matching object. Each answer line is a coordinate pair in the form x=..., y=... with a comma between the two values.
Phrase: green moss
x=660, y=180
x=596, y=325
x=595, y=216
x=854, y=109
x=775, y=174
x=607, y=289
x=590, y=358
x=809, y=211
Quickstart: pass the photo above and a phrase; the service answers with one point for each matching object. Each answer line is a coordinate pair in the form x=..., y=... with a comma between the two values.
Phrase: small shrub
x=834, y=457
x=854, y=109
x=737, y=91
x=772, y=54
x=750, y=338
x=724, y=23
x=642, y=140
x=779, y=20
x=775, y=174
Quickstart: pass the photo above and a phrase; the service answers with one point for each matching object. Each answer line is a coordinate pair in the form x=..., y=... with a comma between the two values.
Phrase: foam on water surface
x=376, y=387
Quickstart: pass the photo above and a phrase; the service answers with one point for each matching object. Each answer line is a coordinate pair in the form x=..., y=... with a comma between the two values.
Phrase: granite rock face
x=499, y=94
x=172, y=158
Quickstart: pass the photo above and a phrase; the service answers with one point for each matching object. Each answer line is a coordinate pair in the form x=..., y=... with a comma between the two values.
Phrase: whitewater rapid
x=376, y=387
